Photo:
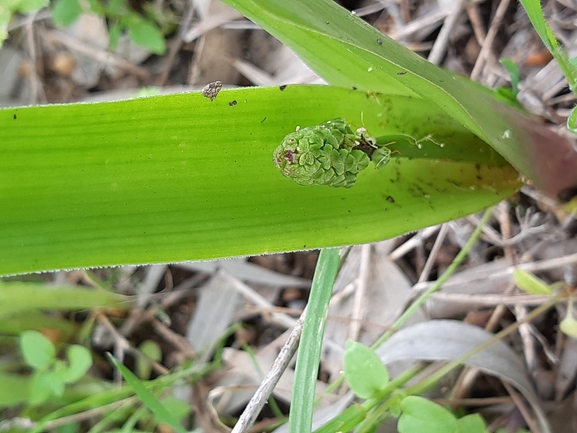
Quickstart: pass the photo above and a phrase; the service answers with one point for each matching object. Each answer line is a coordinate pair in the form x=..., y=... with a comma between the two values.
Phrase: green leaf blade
x=147, y=397
x=146, y=34
x=530, y=283
x=309, y=352
x=473, y=423
x=29, y=6
x=179, y=177
x=17, y=297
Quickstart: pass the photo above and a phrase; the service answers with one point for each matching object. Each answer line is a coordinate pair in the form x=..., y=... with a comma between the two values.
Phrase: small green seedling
x=51, y=375
x=508, y=95
x=514, y=74
x=368, y=377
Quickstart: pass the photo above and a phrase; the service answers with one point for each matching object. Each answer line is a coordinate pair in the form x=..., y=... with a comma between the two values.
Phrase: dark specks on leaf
x=354, y=88
x=478, y=174
x=401, y=73
x=15, y=117
x=282, y=87
x=232, y=103
x=390, y=199
x=262, y=121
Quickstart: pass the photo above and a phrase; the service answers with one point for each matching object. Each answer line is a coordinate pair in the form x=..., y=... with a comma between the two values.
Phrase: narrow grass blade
x=535, y=13
x=146, y=396
x=309, y=352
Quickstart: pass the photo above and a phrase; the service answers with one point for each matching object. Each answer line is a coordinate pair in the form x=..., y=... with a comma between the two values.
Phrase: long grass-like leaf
x=309, y=353
x=147, y=397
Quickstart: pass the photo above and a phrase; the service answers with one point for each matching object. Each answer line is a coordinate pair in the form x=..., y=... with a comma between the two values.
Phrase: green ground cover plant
x=141, y=28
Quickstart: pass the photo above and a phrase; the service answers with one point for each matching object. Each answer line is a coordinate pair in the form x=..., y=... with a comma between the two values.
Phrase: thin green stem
x=307, y=365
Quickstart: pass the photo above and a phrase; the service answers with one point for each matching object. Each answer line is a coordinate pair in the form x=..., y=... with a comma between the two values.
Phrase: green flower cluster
x=325, y=154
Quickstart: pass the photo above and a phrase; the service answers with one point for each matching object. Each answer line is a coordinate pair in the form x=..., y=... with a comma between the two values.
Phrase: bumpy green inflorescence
x=326, y=154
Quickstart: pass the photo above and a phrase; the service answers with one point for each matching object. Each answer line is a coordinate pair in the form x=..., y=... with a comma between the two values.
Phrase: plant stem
x=307, y=365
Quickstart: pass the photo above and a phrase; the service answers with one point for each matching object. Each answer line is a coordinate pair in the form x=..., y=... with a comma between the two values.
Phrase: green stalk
x=309, y=352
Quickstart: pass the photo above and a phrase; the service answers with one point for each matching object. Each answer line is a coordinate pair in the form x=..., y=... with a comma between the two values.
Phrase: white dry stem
x=268, y=384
